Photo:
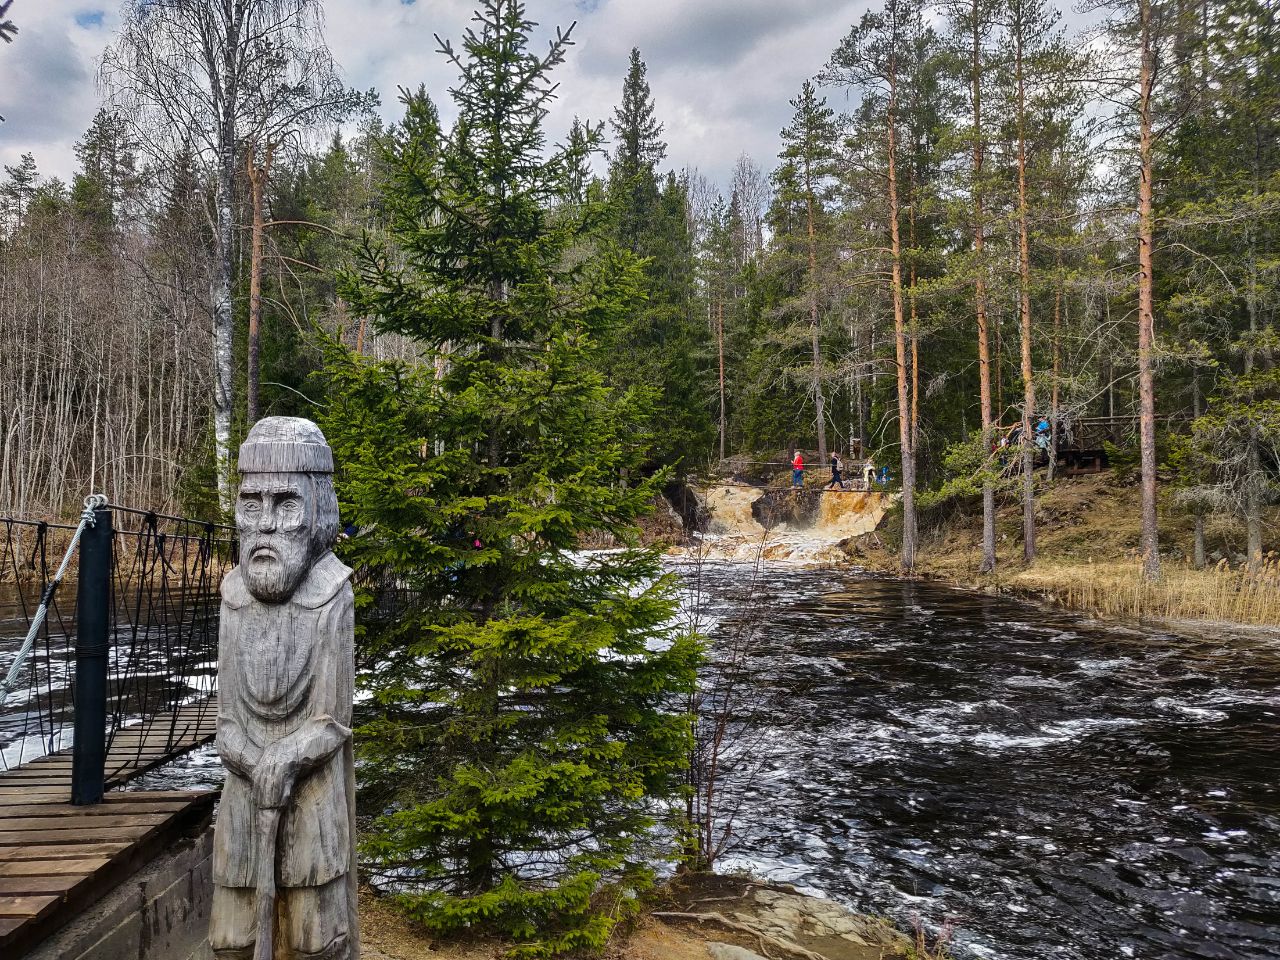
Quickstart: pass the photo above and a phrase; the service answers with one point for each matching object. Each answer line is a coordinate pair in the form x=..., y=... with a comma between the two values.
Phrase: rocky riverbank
x=697, y=917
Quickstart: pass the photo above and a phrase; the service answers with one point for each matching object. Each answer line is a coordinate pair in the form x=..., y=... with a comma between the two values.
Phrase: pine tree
x=18, y=190
x=875, y=57
x=522, y=739
x=108, y=176
x=1222, y=164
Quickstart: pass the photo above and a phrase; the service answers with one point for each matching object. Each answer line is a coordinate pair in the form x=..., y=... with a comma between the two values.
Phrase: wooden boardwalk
x=134, y=750
x=57, y=859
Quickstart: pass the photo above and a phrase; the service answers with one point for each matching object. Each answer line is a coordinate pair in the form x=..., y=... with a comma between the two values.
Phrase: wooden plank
x=54, y=867
x=58, y=810
x=46, y=762
x=70, y=851
x=9, y=838
x=133, y=796
x=163, y=743
x=74, y=820
x=28, y=907
x=60, y=868
x=10, y=796
x=25, y=886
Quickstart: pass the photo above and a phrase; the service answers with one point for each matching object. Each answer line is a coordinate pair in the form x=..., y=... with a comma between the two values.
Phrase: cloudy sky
x=721, y=70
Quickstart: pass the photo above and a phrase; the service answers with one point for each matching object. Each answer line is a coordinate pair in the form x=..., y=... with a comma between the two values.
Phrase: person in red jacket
x=797, y=470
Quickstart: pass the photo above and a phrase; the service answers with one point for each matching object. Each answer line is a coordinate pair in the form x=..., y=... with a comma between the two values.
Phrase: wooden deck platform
x=57, y=859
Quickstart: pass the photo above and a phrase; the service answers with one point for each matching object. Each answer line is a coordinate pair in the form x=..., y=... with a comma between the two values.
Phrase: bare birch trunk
x=223, y=321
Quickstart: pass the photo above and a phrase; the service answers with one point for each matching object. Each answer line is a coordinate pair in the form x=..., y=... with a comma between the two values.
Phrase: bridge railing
x=132, y=634
x=35, y=711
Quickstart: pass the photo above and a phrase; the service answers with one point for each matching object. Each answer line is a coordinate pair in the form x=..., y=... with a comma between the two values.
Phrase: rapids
x=1045, y=785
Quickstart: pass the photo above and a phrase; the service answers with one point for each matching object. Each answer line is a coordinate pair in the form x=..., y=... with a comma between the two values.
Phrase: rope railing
x=159, y=600
x=91, y=503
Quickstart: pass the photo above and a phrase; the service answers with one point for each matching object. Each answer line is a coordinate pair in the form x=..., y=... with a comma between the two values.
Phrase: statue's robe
x=286, y=684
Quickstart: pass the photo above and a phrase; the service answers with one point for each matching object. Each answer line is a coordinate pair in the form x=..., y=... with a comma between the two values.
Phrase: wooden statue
x=284, y=846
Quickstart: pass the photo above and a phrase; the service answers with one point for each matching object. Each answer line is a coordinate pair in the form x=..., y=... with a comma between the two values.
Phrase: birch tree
x=214, y=76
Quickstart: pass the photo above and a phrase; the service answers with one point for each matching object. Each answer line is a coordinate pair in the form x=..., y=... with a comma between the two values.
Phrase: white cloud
x=47, y=86
x=721, y=70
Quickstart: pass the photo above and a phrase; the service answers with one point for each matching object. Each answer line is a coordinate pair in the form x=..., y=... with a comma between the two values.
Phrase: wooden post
x=93, y=639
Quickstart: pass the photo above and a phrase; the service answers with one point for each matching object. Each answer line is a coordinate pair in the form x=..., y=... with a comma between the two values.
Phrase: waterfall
x=806, y=527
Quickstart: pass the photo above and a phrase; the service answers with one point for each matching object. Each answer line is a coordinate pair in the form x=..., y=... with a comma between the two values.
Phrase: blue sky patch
x=88, y=19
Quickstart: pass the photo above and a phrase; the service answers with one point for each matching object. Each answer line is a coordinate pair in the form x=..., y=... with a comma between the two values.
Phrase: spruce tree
x=8, y=29
x=803, y=181
x=638, y=151
x=520, y=740
x=660, y=344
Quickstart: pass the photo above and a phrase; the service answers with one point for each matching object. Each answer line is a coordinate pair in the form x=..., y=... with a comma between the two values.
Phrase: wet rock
x=727, y=951
x=817, y=923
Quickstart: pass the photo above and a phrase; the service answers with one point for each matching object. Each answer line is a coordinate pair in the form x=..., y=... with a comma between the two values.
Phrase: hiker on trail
x=884, y=477
x=797, y=471
x=836, y=480
x=869, y=474
x=1042, y=435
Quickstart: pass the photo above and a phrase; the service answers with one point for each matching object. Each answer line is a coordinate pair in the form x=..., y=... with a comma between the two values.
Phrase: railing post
x=93, y=638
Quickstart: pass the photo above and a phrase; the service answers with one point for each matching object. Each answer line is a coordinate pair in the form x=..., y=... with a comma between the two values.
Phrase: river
x=1042, y=784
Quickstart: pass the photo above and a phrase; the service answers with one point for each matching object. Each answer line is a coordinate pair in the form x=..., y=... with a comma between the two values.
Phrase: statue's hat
x=285, y=445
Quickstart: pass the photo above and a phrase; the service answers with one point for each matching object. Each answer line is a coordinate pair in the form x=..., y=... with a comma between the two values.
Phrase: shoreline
x=876, y=559
x=697, y=916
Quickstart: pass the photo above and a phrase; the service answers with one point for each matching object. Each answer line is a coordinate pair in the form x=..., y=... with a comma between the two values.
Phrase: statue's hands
x=274, y=778
x=238, y=754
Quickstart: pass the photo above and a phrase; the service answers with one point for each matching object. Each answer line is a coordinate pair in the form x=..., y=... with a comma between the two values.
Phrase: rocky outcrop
x=741, y=917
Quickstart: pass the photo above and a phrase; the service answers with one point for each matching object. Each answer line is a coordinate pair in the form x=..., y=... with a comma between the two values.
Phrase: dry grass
x=924, y=947
x=1087, y=543
x=1119, y=589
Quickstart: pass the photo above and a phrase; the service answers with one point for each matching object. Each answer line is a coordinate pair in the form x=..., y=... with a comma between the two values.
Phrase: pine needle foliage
x=521, y=737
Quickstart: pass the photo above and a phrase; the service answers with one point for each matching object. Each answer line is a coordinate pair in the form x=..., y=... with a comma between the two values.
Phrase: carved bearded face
x=276, y=518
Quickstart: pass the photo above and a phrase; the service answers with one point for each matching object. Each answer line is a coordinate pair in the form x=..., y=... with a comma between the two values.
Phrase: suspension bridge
x=106, y=676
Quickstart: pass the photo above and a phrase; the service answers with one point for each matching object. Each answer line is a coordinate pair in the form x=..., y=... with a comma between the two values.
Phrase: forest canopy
x=978, y=220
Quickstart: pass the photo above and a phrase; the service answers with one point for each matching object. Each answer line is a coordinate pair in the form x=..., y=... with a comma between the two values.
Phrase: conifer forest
x=1003, y=247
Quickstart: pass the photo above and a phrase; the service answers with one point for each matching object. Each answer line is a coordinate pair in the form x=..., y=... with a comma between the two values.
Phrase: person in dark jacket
x=836, y=482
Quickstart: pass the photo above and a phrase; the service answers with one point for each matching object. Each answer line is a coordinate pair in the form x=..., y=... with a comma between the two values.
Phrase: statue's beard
x=273, y=569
